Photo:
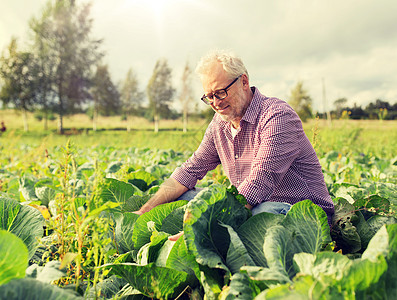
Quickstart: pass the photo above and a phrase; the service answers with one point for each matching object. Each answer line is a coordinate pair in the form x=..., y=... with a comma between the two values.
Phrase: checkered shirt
x=269, y=159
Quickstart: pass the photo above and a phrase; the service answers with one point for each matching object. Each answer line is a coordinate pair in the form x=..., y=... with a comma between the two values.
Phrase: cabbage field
x=68, y=231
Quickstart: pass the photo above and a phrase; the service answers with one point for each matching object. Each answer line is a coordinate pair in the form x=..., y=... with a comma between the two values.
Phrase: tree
x=105, y=95
x=46, y=96
x=186, y=95
x=379, y=109
x=64, y=29
x=301, y=102
x=18, y=69
x=160, y=92
x=340, y=104
x=131, y=96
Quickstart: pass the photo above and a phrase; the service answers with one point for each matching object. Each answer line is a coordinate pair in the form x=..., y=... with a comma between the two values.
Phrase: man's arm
x=170, y=190
x=205, y=158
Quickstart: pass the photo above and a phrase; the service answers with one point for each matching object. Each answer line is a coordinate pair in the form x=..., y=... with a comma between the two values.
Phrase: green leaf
x=309, y=225
x=157, y=240
x=117, y=191
x=32, y=289
x=95, y=212
x=151, y=280
x=303, y=288
x=327, y=267
x=363, y=273
x=124, y=230
x=204, y=237
x=212, y=194
x=380, y=204
x=384, y=243
x=252, y=234
x=26, y=188
x=173, y=223
x=265, y=277
x=13, y=188
x=241, y=287
x=141, y=234
x=253, y=280
x=237, y=254
x=45, y=194
x=106, y=206
x=13, y=257
x=337, y=272
x=376, y=222
x=345, y=190
x=9, y=209
x=279, y=250
x=212, y=280
x=139, y=183
x=390, y=276
x=379, y=245
x=108, y=288
x=304, y=229
x=164, y=253
x=343, y=232
x=142, y=179
x=150, y=252
x=48, y=273
x=180, y=259
x=143, y=254
x=134, y=203
x=24, y=221
x=85, y=170
x=113, y=167
x=362, y=229
x=233, y=190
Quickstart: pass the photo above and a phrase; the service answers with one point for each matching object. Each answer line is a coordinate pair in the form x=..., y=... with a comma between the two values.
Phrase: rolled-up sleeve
x=203, y=160
x=279, y=146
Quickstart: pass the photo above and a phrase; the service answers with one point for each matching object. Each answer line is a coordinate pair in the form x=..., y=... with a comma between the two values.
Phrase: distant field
x=365, y=136
x=87, y=191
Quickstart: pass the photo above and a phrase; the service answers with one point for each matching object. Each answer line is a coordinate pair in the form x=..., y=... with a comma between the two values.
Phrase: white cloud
x=349, y=44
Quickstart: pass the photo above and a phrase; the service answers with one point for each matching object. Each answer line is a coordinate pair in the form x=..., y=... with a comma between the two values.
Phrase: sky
x=338, y=48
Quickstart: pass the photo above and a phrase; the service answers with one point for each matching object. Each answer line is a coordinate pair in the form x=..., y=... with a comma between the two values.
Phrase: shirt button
x=236, y=156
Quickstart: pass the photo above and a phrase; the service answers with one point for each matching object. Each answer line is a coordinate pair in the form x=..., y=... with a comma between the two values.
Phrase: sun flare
x=156, y=6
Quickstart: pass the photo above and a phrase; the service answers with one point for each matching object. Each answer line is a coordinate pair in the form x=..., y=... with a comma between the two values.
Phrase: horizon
x=350, y=47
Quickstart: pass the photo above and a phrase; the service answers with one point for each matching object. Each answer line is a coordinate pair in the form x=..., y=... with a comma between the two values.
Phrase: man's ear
x=245, y=81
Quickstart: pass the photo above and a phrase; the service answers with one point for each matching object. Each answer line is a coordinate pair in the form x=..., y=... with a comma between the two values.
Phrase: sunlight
x=155, y=6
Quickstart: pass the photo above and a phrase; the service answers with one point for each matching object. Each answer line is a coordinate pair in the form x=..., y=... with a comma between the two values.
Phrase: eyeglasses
x=219, y=94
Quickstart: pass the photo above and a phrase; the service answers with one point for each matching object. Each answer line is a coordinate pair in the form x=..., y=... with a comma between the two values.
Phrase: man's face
x=233, y=107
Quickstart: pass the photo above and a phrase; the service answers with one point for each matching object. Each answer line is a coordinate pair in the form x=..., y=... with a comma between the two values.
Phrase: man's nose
x=217, y=102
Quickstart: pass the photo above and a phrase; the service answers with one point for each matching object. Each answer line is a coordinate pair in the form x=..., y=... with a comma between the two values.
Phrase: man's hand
x=168, y=191
x=175, y=237
x=249, y=206
x=138, y=212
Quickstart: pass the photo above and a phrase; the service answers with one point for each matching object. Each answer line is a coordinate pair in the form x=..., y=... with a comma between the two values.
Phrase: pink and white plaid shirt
x=269, y=159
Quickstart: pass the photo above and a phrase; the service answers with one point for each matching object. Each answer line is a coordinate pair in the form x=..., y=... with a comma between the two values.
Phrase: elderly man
x=258, y=140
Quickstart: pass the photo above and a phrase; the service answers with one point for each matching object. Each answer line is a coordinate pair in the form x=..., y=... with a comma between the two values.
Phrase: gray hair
x=232, y=64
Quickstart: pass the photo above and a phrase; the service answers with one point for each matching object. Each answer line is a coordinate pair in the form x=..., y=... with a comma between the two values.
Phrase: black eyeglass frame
x=206, y=100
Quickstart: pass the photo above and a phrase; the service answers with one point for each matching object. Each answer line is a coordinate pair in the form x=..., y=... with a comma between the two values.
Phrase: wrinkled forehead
x=215, y=78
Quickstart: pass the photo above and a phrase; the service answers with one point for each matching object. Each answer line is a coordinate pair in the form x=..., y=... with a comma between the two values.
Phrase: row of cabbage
x=68, y=232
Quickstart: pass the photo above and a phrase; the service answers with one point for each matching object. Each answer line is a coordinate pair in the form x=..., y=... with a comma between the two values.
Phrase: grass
x=346, y=136
x=370, y=137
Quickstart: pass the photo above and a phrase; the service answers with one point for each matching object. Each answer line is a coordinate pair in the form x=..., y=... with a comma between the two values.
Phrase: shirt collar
x=251, y=113
x=253, y=109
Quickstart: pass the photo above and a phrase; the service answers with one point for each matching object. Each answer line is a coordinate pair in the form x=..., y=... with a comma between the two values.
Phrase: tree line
x=301, y=101
x=61, y=73
x=377, y=110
